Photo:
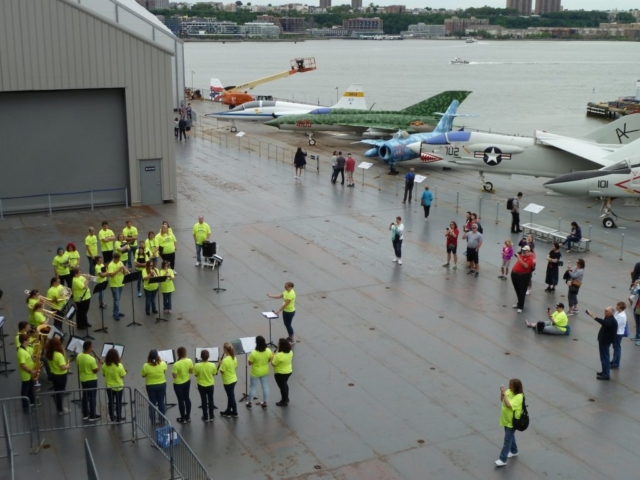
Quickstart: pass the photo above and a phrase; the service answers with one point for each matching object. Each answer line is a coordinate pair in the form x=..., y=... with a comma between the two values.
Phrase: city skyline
x=566, y=4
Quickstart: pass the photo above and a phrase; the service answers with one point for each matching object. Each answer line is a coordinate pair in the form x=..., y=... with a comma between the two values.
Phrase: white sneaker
x=399, y=262
x=511, y=455
x=528, y=292
x=519, y=310
x=197, y=264
x=395, y=259
x=514, y=306
x=296, y=177
x=64, y=411
x=500, y=463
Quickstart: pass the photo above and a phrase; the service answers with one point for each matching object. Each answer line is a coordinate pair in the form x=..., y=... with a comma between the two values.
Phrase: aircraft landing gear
x=487, y=186
x=312, y=141
x=233, y=129
x=392, y=169
x=608, y=222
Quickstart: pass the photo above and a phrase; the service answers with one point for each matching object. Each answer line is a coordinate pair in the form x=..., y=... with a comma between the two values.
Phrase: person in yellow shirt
x=61, y=266
x=123, y=248
x=205, y=372
x=56, y=295
x=59, y=366
x=131, y=236
x=259, y=360
x=152, y=247
x=282, y=369
x=141, y=264
x=106, y=237
x=288, y=308
x=38, y=314
x=88, y=369
x=201, y=231
x=168, y=245
x=228, y=366
x=32, y=299
x=116, y=272
x=102, y=275
x=23, y=327
x=113, y=372
x=150, y=289
x=182, y=383
x=27, y=370
x=153, y=372
x=91, y=246
x=81, y=297
x=166, y=224
x=167, y=287
x=74, y=255
x=512, y=401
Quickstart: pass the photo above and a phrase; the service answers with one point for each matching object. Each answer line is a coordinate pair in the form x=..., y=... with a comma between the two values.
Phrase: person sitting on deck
x=558, y=323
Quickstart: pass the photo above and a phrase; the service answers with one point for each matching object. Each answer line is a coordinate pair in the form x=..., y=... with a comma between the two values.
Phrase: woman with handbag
x=512, y=401
x=573, y=278
x=553, y=264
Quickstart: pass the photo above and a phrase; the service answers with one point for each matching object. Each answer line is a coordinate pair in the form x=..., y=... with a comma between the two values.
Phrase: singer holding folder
x=204, y=372
x=113, y=372
x=156, y=383
x=288, y=308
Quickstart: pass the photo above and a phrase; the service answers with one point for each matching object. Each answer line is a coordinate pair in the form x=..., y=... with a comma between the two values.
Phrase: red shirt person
x=350, y=166
x=521, y=275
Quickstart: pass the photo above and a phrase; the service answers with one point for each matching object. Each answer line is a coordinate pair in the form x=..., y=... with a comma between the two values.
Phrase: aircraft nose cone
x=273, y=123
x=415, y=147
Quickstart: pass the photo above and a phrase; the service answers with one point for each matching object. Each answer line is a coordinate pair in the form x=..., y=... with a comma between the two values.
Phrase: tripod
x=216, y=265
x=101, y=287
x=159, y=280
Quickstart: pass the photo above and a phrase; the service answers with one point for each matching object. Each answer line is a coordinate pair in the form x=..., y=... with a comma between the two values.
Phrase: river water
x=518, y=86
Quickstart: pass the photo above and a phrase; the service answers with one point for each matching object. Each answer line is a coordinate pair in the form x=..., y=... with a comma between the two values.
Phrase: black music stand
x=74, y=345
x=130, y=278
x=169, y=357
x=216, y=264
x=159, y=280
x=101, y=287
x=270, y=316
x=239, y=349
x=5, y=371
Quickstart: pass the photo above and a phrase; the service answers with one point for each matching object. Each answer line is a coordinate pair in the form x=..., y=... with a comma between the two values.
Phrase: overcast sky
x=568, y=4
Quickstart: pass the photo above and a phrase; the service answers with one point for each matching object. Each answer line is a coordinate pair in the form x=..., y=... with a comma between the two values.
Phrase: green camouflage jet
x=421, y=117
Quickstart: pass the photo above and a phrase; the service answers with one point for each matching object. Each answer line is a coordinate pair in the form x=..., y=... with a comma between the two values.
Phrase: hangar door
x=64, y=147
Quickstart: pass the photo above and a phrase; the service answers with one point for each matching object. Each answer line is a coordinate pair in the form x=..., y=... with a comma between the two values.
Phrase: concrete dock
x=398, y=368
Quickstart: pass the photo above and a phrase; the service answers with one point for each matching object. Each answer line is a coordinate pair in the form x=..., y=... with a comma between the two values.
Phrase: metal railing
x=63, y=201
x=183, y=462
x=20, y=421
x=92, y=471
x=7, y=436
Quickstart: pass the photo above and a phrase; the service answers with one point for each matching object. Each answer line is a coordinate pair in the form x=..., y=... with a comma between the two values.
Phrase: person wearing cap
x=557, y=324
x=521, y=275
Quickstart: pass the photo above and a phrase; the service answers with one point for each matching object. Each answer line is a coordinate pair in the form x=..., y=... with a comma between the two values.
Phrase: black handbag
x=522, y=423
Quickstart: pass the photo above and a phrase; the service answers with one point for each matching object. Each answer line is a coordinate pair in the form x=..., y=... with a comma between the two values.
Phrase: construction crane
x=237, y=94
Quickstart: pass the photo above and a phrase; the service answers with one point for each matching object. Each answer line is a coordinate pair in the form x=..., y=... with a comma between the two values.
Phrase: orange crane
x=237, y=94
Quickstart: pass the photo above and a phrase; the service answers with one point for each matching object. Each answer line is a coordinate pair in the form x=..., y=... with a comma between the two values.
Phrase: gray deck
x=398, y=369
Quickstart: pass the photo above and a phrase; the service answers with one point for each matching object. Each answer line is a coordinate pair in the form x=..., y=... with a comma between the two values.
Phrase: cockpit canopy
x=624, y=165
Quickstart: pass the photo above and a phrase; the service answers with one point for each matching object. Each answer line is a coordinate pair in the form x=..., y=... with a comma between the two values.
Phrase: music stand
x=101, y=287
x=130, y=278
x=213, y=357
x=159, y=280
x=169, y=357
x=270, y=316
x=73, y=309
x=217, y=262
x=5, y=371
x=74, y=345
x=244, y=346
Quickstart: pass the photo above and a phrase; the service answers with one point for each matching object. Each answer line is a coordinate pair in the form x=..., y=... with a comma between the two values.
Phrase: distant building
x=268, y=19
x=325, y=3
x=154, y=4
x=356, y=4
x=362, y=24
x=264, y=30
x=455, y=24
x=547, y=6
x=292, y=24
x=395, y=9
x=522, y=6
x=427, y=31
x=328, y=32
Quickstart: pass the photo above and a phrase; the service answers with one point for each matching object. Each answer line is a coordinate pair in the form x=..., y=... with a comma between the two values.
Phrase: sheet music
x=213, y=353
x=248, y=344
x=71, y=312
x=269, y=315
x=1, y=321
x=168, y=356
x=237, y=347
x=108, y=346
x=75, y=344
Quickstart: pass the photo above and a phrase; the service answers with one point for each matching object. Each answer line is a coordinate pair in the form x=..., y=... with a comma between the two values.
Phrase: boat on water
x=459, y=61
x=471, y=40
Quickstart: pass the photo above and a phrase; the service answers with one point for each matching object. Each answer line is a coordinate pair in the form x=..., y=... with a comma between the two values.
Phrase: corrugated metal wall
x=52, y=45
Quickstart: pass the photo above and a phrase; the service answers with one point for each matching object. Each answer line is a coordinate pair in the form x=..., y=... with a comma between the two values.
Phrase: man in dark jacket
x=409, y=178
x=606, y=337
x=340, y=161
x=182, y=126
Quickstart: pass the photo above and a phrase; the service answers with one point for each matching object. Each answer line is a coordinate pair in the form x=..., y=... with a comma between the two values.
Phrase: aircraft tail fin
x=629, y=151
x=435, y=104
x=216, y=89
x=619, y=132
x=446, y=122
x=353, y=98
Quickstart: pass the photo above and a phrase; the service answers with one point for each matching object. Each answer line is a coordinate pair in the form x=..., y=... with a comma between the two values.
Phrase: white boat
x=459, y=61
x=471, y=40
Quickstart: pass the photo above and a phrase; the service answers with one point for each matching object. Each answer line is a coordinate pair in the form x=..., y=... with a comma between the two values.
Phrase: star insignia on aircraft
x=492, y=156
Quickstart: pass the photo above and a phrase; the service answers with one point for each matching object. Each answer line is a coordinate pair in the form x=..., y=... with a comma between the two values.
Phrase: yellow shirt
x=115, y=281
x=57, y=362
x=260, y=363
x=228, y=367
x=204, y=372
x=74, y=258
x=290, y=295
x=201, y=231
x=282, y=362
x=30, y=303
x=167, y=242
x=124, y=254
x=154, y=374
x=24, y=356
x=182, y=367
x=105, y=246
x=113, y=375
x=80, y=291
x=506, y=415
x=131, y=232
x=56, y=293
x=61, y=263
x=91, y=242
x=561, y=320
x=86, y=364
x=167, y=286
x=151, y=247
x=150, y=287
x=146, y=259
x=38, y=319
x=100, y=279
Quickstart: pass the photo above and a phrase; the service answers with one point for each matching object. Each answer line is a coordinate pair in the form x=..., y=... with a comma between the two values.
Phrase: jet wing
x=589, y=151
x=380, y=126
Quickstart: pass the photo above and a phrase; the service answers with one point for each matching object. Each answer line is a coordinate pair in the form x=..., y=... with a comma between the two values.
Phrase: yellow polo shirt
x=182, y=367
x=115, y=281
x=61, y=263
x=113, y=376
x=57, y=362
x=204, y=372
x=154, y=374
x=282, y=362
x=228, y=367
x=86, y=365
x=105, y=246
x=131, y=232
x=24, y=356
x=80, y=292
x=201, y=230
x=91, y=242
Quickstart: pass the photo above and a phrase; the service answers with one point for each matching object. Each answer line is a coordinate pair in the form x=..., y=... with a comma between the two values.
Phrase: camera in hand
x=560, y=263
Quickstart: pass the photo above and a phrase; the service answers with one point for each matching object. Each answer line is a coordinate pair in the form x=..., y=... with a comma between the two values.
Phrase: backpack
x=522, y=423
x=510, y=204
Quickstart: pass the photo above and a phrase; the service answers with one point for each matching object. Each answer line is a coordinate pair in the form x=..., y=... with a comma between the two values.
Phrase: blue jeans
x=637, y=318
x=166, y=300
x=117, y=293
x=287, y=318
x=397, y=248
x=232, y=406
x=617, y=351
x=253, y=386
x=150, y=301
x=92, y=266
x=604, y=358
x=569, y=239
x=198, y=253
x=132, y=256
x=157, y=396
x=510, y=445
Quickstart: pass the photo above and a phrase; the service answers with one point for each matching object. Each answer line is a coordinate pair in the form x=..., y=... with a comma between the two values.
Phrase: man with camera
x=606, y=337
x=557, y=324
